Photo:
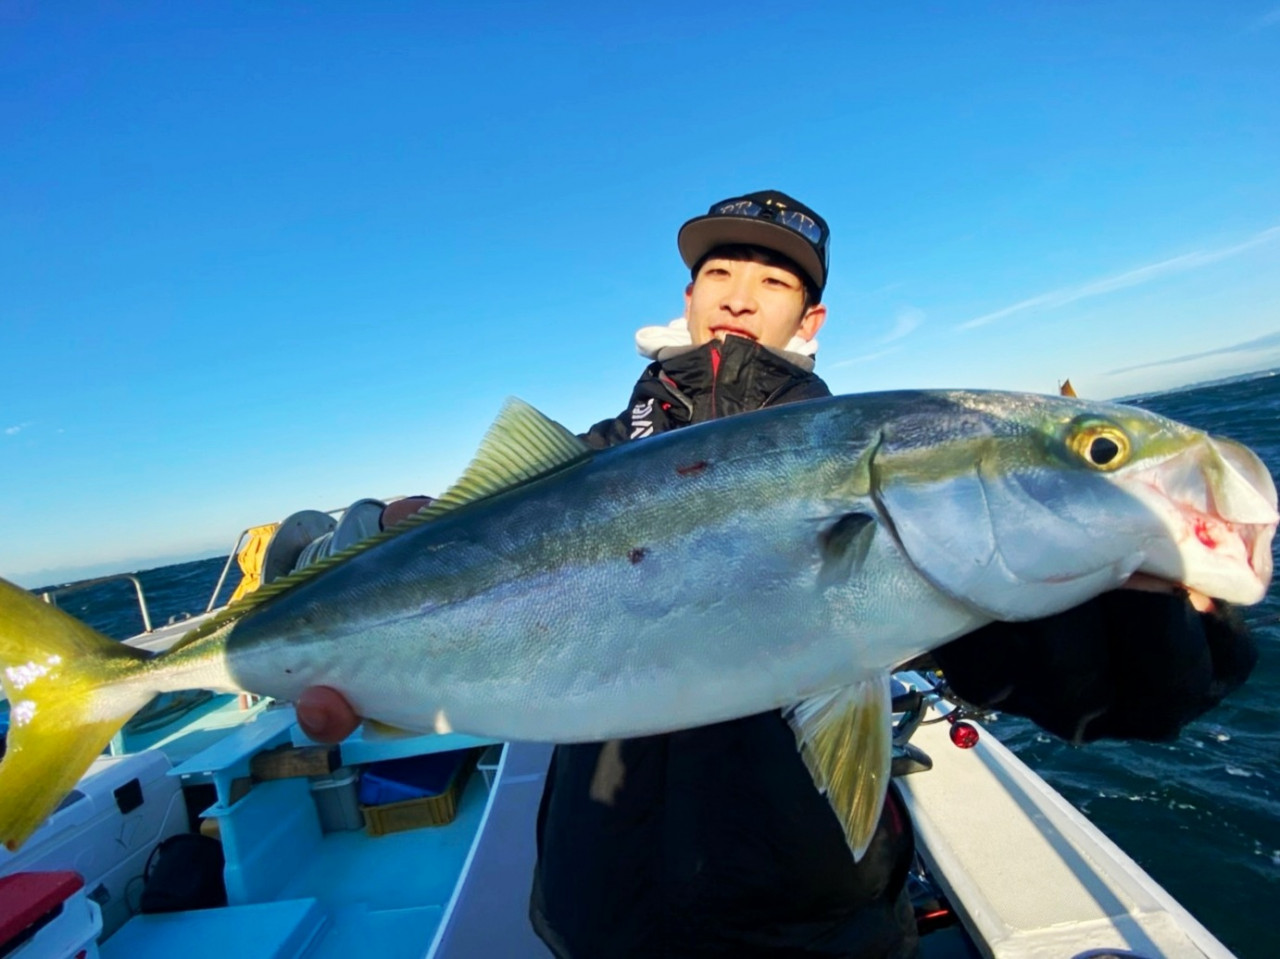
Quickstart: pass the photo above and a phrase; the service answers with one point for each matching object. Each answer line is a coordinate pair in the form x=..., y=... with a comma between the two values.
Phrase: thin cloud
x=865, y=358
x=15, y=430
x=904, y=324
x=1269, y=19
x=1269, y=341
x=1143, y=274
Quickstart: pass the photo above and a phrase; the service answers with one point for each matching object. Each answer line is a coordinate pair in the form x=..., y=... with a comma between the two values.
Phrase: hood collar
x=663, y=342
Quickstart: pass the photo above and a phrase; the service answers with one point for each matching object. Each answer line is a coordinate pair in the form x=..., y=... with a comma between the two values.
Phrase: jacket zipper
x=715, y=379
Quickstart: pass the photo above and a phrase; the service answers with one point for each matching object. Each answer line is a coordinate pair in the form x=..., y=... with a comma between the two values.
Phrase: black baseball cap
x=768, y=219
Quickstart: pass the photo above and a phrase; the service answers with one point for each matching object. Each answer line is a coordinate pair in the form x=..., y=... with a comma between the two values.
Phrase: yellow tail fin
x=69, y=692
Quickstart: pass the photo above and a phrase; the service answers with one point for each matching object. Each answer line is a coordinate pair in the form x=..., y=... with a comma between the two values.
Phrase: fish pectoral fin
x=844, y=737
x=844, y=546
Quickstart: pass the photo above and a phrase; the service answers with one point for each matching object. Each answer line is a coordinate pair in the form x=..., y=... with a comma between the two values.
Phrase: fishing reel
x=909, y=706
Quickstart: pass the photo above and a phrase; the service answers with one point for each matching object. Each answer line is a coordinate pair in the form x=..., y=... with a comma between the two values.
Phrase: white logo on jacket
x=641, y=424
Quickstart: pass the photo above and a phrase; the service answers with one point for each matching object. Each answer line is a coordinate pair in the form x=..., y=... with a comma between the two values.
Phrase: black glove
x=1126, y=665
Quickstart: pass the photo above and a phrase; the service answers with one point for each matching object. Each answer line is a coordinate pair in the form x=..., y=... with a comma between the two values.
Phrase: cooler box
x=45, y=915
x=106, y=828
x=416, y=791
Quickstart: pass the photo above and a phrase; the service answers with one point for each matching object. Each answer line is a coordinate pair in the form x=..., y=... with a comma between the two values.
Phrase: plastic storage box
x=400, y=794
x=337, y=800
x=45, y=915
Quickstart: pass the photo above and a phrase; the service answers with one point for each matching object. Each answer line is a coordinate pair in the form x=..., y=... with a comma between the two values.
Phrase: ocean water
x=1202, y=814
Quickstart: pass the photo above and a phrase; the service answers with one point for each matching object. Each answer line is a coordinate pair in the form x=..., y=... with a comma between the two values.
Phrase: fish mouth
x=1246, y=543
x=1249, y=541
x=1218, y=505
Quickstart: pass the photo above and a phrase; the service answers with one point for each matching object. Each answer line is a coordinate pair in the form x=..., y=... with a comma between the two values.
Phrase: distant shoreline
x=1201, y=385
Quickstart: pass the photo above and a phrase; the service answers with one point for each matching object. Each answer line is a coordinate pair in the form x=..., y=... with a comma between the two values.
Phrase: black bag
x=184, y=872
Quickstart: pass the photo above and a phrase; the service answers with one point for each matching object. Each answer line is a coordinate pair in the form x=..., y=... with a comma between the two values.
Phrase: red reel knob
x=964, y=735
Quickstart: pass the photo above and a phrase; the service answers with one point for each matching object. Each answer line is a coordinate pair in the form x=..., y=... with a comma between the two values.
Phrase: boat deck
x=1028, y=873
x=349, y=894
x=294, y=889
x=490, y=915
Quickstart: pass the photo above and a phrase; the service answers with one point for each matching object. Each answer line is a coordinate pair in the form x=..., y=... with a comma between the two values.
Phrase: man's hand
x=1150, y=584
x=325, y=715
x=1126, y=665
x=393, y=513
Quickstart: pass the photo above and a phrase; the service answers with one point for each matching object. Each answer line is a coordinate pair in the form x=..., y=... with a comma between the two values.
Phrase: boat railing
x=226, y=568
x=243, y=541
x=50, y=596
x=310, y=536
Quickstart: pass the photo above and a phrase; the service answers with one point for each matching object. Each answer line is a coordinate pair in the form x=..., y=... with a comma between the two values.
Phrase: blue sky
x=256, y=258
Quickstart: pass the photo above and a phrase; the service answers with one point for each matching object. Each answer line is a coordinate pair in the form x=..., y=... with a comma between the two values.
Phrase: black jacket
x=710, y=841
x=706, y=384
x=714, y=842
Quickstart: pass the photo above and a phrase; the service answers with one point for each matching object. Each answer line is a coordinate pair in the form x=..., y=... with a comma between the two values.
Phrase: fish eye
x=1102, y=450
x=1101, y=445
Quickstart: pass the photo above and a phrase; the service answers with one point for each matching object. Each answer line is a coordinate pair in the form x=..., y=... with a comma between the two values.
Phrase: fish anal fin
x=844, y=548
x=376, y=731
x=845, y=740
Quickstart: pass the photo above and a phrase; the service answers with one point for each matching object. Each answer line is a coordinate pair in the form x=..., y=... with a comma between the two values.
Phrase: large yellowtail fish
x=784, y=559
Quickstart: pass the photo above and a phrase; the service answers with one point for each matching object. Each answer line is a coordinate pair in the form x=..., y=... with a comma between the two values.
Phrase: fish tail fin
x=63, y=680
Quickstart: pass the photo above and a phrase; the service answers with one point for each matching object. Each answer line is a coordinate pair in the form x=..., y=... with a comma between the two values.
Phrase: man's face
x=741, y=298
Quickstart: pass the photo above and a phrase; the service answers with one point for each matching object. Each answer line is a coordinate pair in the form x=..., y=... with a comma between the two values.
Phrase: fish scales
x=531, y=617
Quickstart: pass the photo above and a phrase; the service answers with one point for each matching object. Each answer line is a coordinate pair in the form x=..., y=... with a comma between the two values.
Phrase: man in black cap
x=714, y=841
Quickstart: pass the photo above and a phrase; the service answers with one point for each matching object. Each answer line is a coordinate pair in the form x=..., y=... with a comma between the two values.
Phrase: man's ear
x=688, y=295
x=812, y=321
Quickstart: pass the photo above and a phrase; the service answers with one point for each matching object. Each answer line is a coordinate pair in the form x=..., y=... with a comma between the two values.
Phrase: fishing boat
x=214, y=827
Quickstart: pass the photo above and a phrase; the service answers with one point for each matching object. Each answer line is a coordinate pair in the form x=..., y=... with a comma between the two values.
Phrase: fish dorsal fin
x=845, y=739
x=521, y=445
